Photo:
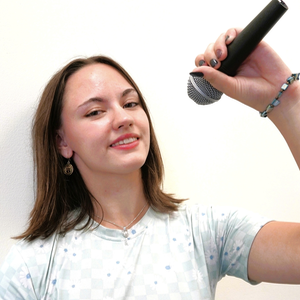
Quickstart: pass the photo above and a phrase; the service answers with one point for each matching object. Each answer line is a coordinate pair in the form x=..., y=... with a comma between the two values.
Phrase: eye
x=94, y=113
x=131, y=104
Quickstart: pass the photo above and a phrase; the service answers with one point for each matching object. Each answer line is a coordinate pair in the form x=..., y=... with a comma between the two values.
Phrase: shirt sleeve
x=239, y=233
x=15, y=278
x=227, y=235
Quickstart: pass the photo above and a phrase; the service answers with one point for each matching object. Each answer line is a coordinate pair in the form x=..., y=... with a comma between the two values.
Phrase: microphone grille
x=201, y=91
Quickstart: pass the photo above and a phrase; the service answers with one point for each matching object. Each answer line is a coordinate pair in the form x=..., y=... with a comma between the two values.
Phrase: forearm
x=286, y=118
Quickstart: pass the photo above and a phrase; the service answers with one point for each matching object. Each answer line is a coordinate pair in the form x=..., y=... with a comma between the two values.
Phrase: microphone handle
x=250, y=37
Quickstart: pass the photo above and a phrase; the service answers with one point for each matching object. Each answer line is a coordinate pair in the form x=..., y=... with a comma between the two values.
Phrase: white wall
x=219, y=154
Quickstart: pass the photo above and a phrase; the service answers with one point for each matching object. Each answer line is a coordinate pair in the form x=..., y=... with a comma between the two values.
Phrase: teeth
x=126, y=141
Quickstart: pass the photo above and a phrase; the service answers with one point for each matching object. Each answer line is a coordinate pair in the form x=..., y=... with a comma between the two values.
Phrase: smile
x=124, y=142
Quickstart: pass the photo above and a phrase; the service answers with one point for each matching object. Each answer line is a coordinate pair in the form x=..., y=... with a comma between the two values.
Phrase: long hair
x=57, y=195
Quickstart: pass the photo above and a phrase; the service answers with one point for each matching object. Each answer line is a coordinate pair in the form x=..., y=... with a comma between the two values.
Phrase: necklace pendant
x=125, y=232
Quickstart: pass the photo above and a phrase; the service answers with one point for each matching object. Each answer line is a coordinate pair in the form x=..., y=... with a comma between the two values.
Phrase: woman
x=102, y=228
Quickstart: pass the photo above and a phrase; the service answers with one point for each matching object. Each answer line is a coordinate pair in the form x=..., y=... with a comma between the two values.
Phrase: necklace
x=124, y=228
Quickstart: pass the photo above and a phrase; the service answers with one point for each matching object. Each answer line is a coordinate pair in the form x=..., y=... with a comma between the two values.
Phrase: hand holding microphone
x=202, y=92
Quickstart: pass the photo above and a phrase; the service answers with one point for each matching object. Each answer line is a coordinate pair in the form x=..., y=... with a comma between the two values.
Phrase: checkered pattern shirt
x=177, y=256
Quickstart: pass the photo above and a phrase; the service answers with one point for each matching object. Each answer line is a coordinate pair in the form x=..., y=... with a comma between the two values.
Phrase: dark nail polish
x=219, y=53
x=201, y=62
x=213, y=62
x=197, y=74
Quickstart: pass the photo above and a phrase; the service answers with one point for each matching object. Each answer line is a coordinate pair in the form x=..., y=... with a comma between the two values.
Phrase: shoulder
x=210, y=218
x=27, y=254
x=27, y=271
x=20, y=267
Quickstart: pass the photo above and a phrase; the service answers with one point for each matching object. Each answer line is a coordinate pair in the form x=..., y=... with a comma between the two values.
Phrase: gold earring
x=68, y=168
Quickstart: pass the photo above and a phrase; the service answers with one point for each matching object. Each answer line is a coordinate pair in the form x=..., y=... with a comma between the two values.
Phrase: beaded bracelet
x=276, y=101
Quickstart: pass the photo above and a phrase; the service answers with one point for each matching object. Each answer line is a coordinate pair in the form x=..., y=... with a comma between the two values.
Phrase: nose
x=121, y=118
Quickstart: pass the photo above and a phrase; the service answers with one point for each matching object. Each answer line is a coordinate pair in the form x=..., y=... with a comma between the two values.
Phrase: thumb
x=220, y=81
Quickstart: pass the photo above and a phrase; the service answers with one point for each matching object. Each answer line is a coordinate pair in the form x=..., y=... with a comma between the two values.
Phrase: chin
x=132, y=166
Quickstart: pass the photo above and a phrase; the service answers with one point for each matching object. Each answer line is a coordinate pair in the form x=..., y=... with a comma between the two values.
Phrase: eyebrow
x=99, y=99
x=128, y=91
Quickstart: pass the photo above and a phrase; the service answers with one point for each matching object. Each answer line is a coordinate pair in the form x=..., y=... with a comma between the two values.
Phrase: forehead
x=96, y=74
x=94, y=78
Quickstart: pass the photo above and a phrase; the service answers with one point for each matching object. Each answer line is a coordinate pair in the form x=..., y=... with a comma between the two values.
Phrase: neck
x=121, y=198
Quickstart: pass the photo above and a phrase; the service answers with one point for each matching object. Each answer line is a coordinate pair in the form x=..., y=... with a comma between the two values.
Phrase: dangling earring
x=68, y=169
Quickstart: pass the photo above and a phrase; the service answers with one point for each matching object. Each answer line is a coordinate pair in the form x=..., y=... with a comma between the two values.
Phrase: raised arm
x=256, y=84
x=274, y=256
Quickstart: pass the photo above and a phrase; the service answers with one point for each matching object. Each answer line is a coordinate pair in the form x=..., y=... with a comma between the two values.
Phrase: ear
x=62, y=145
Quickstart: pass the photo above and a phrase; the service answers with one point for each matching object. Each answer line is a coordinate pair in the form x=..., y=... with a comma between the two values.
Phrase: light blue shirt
x=178, y=256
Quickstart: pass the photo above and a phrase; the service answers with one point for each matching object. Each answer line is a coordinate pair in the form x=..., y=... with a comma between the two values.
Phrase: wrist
x=286, y=92
x=290, y=101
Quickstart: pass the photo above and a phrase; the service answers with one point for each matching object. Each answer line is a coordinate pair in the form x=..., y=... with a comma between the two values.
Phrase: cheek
x=75, y=134
x=72, y=134
x=87, y=136
x=146, y=130
x=144, y=120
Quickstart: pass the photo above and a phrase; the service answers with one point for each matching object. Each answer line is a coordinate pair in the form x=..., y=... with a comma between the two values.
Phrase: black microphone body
x=200, y=90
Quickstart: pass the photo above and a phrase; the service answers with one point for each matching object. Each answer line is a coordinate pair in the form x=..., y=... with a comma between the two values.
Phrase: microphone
x=200, y=90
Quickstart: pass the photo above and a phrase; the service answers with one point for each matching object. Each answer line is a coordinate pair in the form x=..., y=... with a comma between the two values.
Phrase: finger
x=231, y=34
x=220, y=46
x=210, y=56
x=217, y=52
x=200, y=61
x=218, y=80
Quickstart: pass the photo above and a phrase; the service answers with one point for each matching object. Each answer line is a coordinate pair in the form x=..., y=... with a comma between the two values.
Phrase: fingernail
x=201, y=62
x=213, y=62
x=219, y=53
x=227, y=38
x=197, y=74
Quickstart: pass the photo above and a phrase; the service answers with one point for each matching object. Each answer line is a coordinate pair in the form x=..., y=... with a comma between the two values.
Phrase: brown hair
x=57, y=194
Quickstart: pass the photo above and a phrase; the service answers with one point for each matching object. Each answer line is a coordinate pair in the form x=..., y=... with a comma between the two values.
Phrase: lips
x=124, y=140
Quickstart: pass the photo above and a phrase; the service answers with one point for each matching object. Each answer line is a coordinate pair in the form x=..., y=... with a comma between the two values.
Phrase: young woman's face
x=104, y=127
